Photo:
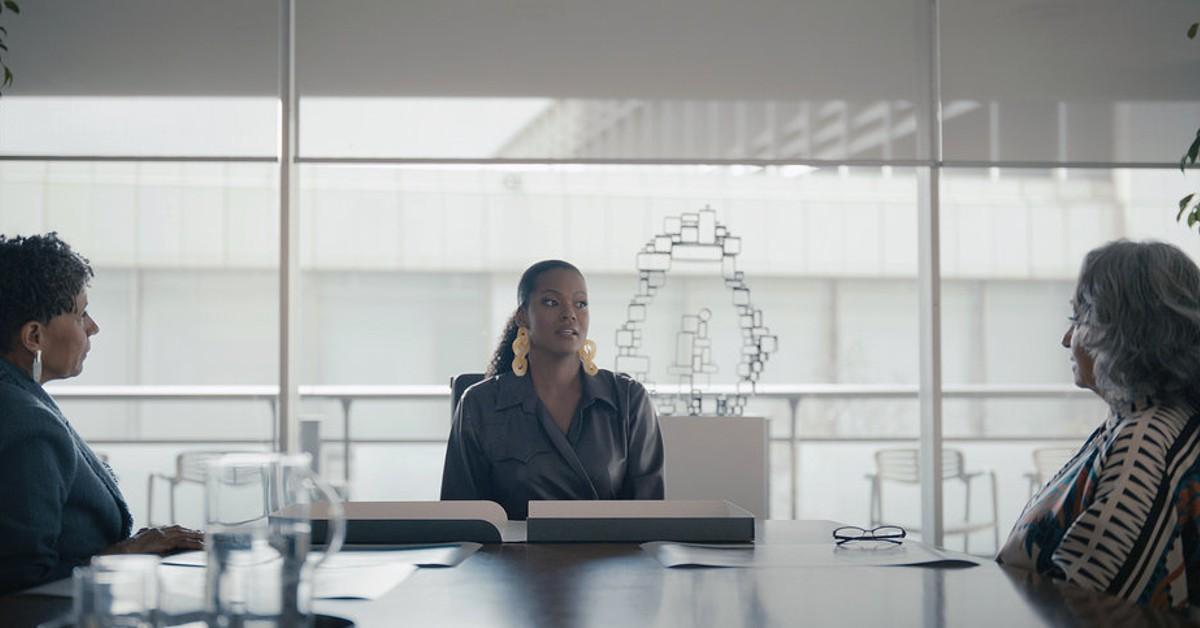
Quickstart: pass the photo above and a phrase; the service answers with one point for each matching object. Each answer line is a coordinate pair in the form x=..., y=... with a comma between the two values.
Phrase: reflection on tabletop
x=1081, y=607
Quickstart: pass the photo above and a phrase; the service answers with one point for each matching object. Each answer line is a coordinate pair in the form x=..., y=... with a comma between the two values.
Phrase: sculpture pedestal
x=718, y=457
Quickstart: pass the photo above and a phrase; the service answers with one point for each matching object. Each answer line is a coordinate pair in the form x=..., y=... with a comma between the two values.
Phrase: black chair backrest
x=458, y=385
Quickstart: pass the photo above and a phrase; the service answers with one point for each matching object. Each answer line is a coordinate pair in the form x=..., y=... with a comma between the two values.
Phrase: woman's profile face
x=1081, y=363
x=557, y=313
x=66, y=341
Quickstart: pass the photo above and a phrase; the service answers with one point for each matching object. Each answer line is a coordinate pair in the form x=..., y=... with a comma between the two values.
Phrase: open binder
x=399, y=523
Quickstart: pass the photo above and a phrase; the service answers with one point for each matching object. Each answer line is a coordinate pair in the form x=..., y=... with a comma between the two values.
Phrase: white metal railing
x=793, y=394
x=435, y=391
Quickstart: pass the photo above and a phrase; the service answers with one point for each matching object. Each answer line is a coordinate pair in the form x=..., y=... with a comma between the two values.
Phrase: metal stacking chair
x=901, y=466
x=191, y=467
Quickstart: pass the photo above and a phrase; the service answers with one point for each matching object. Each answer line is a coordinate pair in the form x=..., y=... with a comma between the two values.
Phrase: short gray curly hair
x=1137, y=310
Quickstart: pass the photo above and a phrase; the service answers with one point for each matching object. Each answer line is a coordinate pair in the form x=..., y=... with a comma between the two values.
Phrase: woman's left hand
x=162, y=541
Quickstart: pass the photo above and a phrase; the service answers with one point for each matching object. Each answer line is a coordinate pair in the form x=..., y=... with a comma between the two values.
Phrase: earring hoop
x=520, y=347
x=587, y=355
x=37, y=366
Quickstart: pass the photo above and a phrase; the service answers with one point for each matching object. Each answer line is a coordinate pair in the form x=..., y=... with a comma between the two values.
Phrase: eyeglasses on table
x=849, y=535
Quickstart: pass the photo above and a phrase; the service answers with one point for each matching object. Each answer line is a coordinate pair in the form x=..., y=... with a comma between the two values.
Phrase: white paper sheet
x=364, y=575
x=515, y=532
x=57, y=588
x=910, y=553
x=424, y=555
x=355, y=578
x=348, y=579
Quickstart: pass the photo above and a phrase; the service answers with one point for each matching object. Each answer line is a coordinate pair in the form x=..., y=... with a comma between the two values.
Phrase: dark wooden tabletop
x=523, y=585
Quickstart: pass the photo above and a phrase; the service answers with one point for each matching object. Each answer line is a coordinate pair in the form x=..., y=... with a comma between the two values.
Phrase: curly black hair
x=502, y=358
x=40, y=276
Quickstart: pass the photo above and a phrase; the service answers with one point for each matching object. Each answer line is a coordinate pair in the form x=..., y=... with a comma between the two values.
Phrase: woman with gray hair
x=1123, y=515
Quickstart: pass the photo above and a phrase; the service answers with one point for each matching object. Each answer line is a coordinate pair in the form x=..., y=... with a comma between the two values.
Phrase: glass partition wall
x=442, y=148
x=184, y=255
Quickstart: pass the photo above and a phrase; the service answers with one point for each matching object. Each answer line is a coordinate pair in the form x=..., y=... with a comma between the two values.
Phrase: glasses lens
x=888, y=532
x=850, y=533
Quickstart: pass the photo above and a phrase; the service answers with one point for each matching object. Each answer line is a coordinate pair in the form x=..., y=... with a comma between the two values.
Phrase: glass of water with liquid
x=259, y=509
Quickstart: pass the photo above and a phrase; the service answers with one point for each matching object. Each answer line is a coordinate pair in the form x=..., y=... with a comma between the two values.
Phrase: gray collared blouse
x=505, y=447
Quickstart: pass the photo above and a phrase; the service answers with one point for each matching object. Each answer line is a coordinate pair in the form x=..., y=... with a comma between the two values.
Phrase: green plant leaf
x=1183, y=203
x=3, y=47
x=1192, y=218
x=1190, y=155
x=12, y=6
x=1192, y=30
x=8, y=77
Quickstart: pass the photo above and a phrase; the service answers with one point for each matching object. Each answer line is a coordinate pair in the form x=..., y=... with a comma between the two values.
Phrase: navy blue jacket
x=59, y=504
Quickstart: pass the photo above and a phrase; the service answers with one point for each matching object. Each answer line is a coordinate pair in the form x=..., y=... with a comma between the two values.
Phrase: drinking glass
x=117, y=591
x=259, y=537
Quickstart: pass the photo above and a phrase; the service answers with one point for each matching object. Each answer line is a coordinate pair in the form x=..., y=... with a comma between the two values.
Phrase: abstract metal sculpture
x=695, y=237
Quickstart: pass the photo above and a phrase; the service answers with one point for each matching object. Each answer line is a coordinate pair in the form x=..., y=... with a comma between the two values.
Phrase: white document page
x=364, y=575
x=56, y=588
x=349, y=579
x=909, y=553
x=514, y=532
x=423, y=555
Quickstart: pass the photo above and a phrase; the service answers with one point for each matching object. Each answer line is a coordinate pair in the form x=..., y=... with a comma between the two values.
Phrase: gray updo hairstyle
x=1137, y=309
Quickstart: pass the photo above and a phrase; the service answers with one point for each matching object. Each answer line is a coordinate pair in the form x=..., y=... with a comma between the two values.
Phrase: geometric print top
x=1123, y=515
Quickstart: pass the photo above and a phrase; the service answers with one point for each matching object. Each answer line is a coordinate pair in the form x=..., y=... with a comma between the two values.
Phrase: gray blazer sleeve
x=38, y=466
x=465, y=473
x=644, y=473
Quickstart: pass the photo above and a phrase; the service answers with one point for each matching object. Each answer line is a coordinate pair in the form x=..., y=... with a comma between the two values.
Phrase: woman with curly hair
x=59, y=504
x=547, y=423
x=1123, y=515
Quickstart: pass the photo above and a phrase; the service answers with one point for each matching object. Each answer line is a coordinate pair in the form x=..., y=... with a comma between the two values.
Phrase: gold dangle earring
x=587, y=355
x=520, y=347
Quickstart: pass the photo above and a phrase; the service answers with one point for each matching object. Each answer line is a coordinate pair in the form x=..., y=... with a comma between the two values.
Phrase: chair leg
x=173, y=520
x=967, y=517
x=967, y=506
x=150, y=500
x=876, y=515
x=995, y=514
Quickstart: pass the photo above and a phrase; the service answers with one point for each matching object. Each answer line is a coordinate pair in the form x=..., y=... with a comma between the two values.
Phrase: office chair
x=1046, y=462
x=901, y=466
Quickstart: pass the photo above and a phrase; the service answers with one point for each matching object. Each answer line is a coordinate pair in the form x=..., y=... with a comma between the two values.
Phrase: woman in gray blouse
x=547, y=423
x=59, y=504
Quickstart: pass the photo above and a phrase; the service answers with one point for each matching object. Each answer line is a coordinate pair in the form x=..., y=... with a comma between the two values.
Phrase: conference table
x=617, y=584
